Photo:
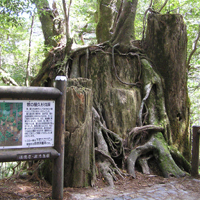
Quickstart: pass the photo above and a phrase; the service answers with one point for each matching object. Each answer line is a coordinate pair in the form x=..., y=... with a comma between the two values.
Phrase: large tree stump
x=79, y=144
x=166, y=46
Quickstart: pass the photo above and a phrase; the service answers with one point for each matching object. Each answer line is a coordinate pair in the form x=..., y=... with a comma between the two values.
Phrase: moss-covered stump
x=116, y=103
x=79, y=144
x=166, y=45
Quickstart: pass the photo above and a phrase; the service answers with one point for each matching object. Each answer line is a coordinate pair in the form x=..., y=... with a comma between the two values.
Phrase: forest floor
x=128, y=188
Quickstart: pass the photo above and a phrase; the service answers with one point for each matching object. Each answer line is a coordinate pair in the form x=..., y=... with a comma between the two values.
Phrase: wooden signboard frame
x=58, y=94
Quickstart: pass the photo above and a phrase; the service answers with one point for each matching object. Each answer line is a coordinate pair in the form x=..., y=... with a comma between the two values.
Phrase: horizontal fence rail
x=29, y=92
x=28, y=154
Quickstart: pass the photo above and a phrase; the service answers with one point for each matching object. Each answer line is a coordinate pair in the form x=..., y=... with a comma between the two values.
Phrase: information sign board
x=26, y=123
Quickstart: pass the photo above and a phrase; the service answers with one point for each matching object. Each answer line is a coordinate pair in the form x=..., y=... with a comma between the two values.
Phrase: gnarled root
x=106, y=163
x=143, y=161
x=137, y=130
x=158, y=145
x=136, y=153
x=179, y=159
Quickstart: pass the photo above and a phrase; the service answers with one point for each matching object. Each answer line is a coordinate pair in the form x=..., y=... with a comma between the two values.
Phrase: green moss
x=166, y=162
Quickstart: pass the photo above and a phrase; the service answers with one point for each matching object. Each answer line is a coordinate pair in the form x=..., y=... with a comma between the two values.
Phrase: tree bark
x=79, y=144
x=117, y=103
x=46, y=17
x=108, y=12
x=166, y=45
x=125, y=32
x=28, y=70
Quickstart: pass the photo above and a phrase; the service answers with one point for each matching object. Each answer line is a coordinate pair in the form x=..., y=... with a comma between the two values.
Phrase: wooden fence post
x=195, y=151
x=58, y=164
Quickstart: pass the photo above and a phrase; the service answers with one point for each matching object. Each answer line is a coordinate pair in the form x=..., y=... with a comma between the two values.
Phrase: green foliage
x=8, y=135
x=14, y=49
x=3, y=118
x=11, y=10
x=11, y=119
x=83, y=21
x=14, y=37
x=19, y=107
x=7, y=168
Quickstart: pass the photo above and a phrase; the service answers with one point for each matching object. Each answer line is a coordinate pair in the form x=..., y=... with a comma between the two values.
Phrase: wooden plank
x=29, y=92
x=58, y=164
x=9, y=155
x=195, y=151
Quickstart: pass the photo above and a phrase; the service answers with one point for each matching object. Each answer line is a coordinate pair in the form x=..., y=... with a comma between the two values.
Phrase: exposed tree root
x=137, y=130
x=179, y=159
x=135, y=154
x=143, y=161
x=109, y=158
x=153, y=99
x=158, y=146
x=105, y=161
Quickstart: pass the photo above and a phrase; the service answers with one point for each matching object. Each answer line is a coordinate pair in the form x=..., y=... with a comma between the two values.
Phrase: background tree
x=14, y=27
x=108, y=14
x=51, y=25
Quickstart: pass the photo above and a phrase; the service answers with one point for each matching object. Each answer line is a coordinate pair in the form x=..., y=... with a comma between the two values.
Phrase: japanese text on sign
x=27, y=124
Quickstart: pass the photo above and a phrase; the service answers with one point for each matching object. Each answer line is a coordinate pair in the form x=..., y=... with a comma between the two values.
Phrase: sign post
x=32, y=127
x=195, y=151
x=58, y=163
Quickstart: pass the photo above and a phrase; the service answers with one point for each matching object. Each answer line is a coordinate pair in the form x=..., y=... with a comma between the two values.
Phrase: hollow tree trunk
x=166, y=45
x=79, y=144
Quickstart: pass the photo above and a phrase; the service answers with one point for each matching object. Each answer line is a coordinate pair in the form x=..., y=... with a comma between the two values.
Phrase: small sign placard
x=26, y=124
x=33, y=156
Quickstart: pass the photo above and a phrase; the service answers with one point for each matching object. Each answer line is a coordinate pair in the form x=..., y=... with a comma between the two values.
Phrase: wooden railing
x=195, y=151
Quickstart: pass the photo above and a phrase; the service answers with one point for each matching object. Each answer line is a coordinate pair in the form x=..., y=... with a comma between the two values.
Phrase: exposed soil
x=16, y=188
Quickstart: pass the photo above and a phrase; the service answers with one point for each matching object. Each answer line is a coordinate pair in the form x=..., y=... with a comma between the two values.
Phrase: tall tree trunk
x=125, y=31
x=79, y=144
x=108, y=13
x=166, y=45
x=28, y=70
x=69, y=40
x=46, y=17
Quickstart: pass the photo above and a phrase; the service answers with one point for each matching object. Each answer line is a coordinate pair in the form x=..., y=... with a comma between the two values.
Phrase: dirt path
x=143, y=187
